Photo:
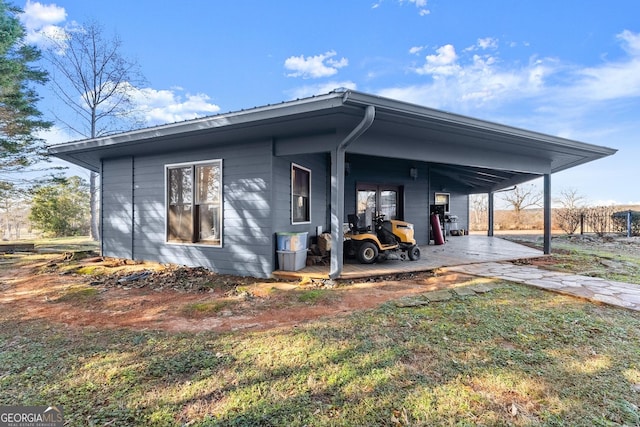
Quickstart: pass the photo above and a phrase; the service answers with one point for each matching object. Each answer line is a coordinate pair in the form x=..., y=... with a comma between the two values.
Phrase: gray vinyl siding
x=247, y=247
x=256, y=203
x=319, y=166
x=117, y=208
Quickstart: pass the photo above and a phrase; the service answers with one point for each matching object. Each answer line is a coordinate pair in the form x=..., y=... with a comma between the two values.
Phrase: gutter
x=337, y=188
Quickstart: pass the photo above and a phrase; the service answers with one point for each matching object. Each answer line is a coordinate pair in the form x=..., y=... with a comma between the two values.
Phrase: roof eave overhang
x=229, y=121
x=391, y=106
x=88, y=153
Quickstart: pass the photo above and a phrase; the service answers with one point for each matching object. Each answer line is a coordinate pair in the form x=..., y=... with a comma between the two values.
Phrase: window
x=194, y=199
x=442, y=199
x=300, y=194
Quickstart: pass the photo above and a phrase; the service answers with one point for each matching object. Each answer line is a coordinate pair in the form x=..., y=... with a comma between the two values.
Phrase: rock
x=481, y=288
x=464, y=291
x=437, y=296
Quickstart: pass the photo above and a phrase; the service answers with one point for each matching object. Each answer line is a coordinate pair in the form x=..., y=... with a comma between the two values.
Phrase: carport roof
x=495, y=156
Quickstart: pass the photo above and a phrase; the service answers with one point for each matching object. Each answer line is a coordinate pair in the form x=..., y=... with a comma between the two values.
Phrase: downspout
x=337, y=189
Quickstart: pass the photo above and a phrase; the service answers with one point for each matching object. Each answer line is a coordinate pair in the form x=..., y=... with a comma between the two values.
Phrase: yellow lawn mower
x=391, y=239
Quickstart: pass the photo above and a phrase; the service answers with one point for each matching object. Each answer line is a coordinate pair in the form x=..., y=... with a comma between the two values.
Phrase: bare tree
x=14, y=209
x=521, y=198
x=98, y=85
x=570, y=212
x=479, y=210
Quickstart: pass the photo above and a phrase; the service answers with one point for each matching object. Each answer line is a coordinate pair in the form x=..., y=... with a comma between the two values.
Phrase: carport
x=476, y=155
x=459, y=250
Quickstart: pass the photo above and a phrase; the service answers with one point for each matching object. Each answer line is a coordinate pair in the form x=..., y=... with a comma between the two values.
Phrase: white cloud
x=420, y=4
x=168, y=106
x=317, y=66
x=463, y=82
x=42, y=22
x=488, y=43
x=416, y=50
x=631, y=42
x=55, y=135
x=442, y=63
x=485, y=77
x=611, y=80
x=37, y=15
x=318, y=89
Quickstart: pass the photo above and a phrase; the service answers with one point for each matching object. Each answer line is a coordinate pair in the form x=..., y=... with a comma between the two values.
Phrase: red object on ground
x=438, y=239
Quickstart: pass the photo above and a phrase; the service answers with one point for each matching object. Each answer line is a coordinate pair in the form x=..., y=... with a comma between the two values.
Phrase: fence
x=599, y=220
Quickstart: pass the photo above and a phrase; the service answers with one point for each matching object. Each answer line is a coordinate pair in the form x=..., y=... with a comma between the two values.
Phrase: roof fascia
x=239, y=118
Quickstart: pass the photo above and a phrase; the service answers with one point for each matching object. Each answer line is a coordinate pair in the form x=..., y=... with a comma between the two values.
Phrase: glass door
x=373, y=199
x=366, y=205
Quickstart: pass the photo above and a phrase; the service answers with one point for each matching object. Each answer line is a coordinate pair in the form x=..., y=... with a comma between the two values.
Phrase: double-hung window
x=300, y=194
x=194, y=203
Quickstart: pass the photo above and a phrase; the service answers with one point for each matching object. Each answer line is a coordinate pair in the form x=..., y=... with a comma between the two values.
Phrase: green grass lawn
x=514, y=356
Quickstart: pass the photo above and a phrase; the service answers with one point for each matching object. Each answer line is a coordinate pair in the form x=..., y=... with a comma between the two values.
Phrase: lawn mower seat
x=353, y=224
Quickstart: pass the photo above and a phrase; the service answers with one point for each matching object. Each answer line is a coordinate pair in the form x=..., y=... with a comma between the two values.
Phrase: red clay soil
x=160, y=301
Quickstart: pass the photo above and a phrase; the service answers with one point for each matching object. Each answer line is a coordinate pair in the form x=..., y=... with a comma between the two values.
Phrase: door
x=372, y=199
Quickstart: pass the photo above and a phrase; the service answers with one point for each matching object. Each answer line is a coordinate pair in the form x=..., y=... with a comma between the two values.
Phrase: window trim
x=193, y=166
x=297, y=166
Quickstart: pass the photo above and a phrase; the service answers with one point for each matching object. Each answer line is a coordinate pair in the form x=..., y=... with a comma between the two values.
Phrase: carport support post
x=490, y=214
x=547, y=213
x=337, y=212
x=337, y=189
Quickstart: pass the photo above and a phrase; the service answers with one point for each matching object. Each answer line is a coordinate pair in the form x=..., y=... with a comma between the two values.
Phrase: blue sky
x=569, y=68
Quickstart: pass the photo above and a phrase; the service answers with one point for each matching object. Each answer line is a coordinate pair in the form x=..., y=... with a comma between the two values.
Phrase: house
x=214, y=191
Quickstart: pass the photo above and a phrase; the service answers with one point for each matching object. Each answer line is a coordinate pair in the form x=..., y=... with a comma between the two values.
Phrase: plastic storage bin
x=291, y=241
x=292, y=260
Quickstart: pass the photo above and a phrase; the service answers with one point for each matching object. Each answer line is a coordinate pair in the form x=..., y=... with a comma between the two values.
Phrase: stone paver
x=438, y=296
x=619, y=294
x=464, y=291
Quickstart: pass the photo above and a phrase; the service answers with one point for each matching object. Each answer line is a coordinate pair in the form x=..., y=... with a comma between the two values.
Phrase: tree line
x=570, y=214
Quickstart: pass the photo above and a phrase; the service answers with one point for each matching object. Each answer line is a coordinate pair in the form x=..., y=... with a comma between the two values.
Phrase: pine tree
x=61, y=208
x=20, y=119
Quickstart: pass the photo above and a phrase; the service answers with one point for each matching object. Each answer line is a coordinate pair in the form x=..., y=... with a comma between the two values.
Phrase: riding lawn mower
x=390, y=239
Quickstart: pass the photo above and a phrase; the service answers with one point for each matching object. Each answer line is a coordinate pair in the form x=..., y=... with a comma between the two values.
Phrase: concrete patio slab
x=458, y=250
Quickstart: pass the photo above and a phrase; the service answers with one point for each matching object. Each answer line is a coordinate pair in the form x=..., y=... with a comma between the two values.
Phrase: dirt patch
x=98, y=292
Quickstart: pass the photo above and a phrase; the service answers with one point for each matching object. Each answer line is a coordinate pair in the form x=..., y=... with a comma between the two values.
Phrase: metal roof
x=482, y=155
